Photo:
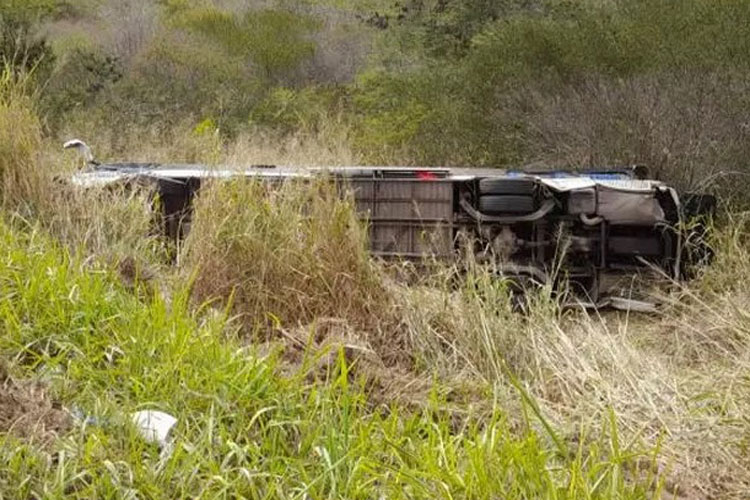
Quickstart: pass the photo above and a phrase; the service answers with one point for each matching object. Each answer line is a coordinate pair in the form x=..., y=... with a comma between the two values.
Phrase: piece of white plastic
x=154, y=425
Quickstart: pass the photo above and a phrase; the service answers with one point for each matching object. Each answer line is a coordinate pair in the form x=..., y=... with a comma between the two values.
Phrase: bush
x=621, y=39
x=80, y=79
x=276, y=41
x=687, y=127
x=565, y=85
x=287, y=110
x=20, y=46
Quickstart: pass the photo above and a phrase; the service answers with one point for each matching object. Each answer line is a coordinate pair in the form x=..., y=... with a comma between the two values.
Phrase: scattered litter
x=81, y=417
x=154, y=426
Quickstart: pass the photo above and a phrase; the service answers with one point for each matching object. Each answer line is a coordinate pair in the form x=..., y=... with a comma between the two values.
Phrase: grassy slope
x=245, y=428
x=623, y=398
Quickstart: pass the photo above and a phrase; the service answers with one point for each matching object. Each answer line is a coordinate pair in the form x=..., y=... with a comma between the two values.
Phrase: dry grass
x=203, y=142
x=116, y=225
x=20, y=143
x=679, y=379
x=289, y=254
x=297, y=255
x=291, y=262
x=328, y=147
x=113, y=225
x=184, y=143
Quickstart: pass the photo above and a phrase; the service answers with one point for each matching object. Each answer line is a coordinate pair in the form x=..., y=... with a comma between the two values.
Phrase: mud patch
x=27, y=411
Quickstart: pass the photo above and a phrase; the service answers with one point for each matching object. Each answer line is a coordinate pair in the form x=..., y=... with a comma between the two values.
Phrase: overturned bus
x=592, y=230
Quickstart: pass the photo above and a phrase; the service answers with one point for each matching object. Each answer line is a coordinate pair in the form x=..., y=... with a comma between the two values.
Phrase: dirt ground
x=28, y=412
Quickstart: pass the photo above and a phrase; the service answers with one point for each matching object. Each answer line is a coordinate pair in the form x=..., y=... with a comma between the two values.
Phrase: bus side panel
x=408, y=218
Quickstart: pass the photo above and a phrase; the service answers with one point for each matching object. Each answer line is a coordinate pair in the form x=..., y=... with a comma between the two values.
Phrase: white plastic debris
x=83, y=149
x=154, y=425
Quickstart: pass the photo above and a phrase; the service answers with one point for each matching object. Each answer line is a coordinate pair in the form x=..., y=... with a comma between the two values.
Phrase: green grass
x=246, y=427
x=457, y=396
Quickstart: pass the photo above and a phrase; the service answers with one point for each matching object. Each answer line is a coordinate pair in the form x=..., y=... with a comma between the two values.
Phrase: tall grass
x=453, y=366
x=675, y=382
x=34, y=188
x=464, y=397
x=373, y=389
x=20, y=141
x=245, y=428
x=291, y=253
x=677, y=379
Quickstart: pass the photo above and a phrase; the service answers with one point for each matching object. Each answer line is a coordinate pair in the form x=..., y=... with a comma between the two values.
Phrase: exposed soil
x=27, y=411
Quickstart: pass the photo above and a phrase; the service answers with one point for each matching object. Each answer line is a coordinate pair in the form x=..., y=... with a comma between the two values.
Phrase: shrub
x=274, y=40
x=81, y=77
x=287, y=110
x=688, y=127
x=20, y=46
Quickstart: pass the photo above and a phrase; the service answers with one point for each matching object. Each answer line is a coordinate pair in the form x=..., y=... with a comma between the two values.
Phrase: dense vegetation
x=471, y=82
x=296, y=366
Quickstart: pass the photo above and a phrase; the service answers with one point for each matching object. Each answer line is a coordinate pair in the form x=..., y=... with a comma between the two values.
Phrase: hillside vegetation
x=296, y=366
x=472, y=82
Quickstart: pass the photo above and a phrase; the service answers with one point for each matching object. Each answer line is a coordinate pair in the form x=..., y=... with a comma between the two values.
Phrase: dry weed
x=21, y=179
x=289, y=253
x=328, y=147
